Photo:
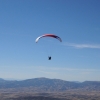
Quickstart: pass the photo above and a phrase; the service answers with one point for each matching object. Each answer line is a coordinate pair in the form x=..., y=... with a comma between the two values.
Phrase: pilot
x=49, y=58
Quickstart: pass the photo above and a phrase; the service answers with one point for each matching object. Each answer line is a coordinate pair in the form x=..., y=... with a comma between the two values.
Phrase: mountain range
x=49, y=85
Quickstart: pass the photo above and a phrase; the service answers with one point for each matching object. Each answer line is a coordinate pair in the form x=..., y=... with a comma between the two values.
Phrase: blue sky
x=77, y=22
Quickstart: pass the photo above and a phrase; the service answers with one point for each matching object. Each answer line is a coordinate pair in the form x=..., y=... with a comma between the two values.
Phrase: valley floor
x=11, y=94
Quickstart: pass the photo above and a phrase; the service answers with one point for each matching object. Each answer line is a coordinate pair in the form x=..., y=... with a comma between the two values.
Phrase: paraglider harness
x=49, y=58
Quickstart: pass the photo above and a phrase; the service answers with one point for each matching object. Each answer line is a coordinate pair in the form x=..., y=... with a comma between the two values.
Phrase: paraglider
x=48, y=35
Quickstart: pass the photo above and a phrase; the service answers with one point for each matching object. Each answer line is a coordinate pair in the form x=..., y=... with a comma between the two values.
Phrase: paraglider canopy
x=48, y=35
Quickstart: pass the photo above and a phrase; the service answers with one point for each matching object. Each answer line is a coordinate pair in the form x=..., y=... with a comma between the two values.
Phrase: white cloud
x=95, y=46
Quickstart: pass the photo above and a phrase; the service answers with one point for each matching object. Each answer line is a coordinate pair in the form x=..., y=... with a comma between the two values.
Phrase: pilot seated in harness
x=49, y=58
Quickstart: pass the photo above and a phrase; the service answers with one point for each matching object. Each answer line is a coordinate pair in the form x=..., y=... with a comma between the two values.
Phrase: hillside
x=50, y=85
